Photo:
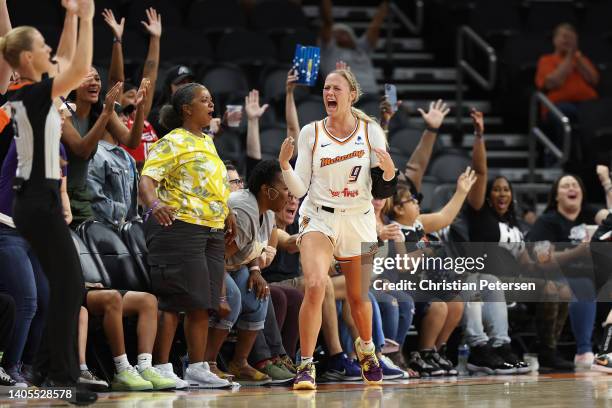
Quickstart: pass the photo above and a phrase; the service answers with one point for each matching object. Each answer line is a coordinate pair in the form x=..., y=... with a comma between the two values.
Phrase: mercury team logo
x=326, y=161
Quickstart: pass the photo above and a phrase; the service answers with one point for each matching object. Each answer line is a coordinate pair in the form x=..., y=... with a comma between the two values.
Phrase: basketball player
x=342, y=163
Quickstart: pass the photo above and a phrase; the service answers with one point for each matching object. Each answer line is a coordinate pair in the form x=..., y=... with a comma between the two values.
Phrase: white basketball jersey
x=341, y=169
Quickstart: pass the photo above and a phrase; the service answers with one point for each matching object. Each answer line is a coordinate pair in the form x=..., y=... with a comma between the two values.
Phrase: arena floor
x=581, y=390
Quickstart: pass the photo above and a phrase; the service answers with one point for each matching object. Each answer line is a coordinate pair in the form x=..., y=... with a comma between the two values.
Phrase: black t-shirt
x=565, y=234
x=285, y=265
x=37, y=126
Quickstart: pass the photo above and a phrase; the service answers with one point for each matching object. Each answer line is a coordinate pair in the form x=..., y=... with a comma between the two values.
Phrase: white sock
x=121, y=363
x=84, y=367
x=144, y=361
x=367, y=345
x=305, y=360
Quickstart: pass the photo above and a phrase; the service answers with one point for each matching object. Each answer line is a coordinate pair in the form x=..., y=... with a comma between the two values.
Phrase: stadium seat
x=224, y=81
x=271, y=140
x=246, y=47
x=265, y=16
x=311, y=110
x=273, y=85
x=91, y=272
x=109, y=251
x=190, y=50
x=229, y=147
x=448, y=165
x=216, y=16
x=405, y=141
x=132, y=234
x=288, y=42
x=370, y=105
x=171, y=15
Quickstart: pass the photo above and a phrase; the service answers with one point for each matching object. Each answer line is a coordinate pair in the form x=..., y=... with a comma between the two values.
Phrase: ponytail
x=171, y=115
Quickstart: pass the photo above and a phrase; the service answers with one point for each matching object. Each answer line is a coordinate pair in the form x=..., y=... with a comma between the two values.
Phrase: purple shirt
x=7, y=174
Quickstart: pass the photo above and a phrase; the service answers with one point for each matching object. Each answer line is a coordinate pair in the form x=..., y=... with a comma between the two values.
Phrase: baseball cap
x=178, y=74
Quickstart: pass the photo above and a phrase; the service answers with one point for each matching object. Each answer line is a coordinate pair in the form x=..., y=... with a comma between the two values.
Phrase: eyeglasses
x=416, y=198
x=237, y=181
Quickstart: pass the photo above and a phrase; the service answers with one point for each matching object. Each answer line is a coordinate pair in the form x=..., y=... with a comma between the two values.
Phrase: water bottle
x=462, y=359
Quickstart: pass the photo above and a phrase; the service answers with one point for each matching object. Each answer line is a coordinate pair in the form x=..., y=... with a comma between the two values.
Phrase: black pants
x=7, y=321
x=38, y=216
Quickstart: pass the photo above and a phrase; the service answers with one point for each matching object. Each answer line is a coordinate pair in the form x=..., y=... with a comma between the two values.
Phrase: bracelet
x=150, y=210
x=222, y=299
x=432, y=130
x=254, y=268
x=116, y=40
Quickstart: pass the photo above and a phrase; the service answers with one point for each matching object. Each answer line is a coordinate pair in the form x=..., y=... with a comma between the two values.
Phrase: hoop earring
x=275, y=190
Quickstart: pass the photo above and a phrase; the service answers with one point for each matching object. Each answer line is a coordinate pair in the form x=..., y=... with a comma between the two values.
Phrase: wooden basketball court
x=580, y=390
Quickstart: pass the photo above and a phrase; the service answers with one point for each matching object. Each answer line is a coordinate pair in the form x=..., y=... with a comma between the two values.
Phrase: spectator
x=184, y=185
x=87, y=378
x=129, y=95
x=248, y=253
x=339, y=43
x=566, y=211
x=567, y=76
x=112, y=177
x=491, y=218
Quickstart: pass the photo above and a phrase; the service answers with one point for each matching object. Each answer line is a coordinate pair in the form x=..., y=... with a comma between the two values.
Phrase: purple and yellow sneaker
x=371, y=371
x=305, y=377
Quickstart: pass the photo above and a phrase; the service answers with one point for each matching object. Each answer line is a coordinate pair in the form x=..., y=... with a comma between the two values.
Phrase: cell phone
x=391, y=95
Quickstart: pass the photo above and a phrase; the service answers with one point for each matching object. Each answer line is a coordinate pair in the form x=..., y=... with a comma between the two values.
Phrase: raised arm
x=115, y=73
x=131, y=137
x=373, y=32
x=327, y=21
x=66, y=48
x=254, y=112
x=419, y=160
x=85, y=146
x=5, y=68
x=70, y=78
x=603, y=172
x=297, y=180
x=476, y=197
x=291, y=115
x=153, y=25
x=444, y=217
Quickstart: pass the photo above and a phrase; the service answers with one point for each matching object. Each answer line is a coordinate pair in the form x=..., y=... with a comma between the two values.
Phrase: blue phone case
x=306, y=62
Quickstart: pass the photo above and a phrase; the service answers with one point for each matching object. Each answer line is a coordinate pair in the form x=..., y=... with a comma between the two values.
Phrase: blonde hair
x=16, y=41
x=355, y=87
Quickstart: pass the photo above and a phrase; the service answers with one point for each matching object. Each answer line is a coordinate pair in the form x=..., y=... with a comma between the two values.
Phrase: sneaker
x=6, y=380
x=603, y=363
x=443, y=361
x=288, y=363
x=200, y=376
x=155, y=377
x=130, y=380
x=90, y=381
x=81, y=396
x=212, y=365
x=506, y=353
x=390, y=346
x=371, y=371
x=582, y=361
x=305, y=377
x=431, y=357
x=416, y=363
x=390, y=370
x=15, y=373
x=550, y=360
x=484, y=359
x=277, y=372
x=247, y=375
x=167, y=371
x=341, y=368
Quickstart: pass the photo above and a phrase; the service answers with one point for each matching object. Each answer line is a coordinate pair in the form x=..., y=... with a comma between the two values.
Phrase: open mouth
x=290, y=211
x=332, y=104
x=93, y=91
x=572, y=195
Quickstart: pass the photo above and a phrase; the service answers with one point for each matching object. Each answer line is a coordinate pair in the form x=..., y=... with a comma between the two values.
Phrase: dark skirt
x=187, y=265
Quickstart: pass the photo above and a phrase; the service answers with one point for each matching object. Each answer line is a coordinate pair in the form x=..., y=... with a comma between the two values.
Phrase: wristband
x=116, y=40
x=254, y=268
x=432, y=130
x=150, y=210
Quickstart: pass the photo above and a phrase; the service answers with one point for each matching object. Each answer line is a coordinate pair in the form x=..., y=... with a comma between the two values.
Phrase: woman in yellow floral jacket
x=184, y=185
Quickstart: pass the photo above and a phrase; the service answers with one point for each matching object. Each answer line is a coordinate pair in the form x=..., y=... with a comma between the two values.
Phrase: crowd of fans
x=222, y=253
